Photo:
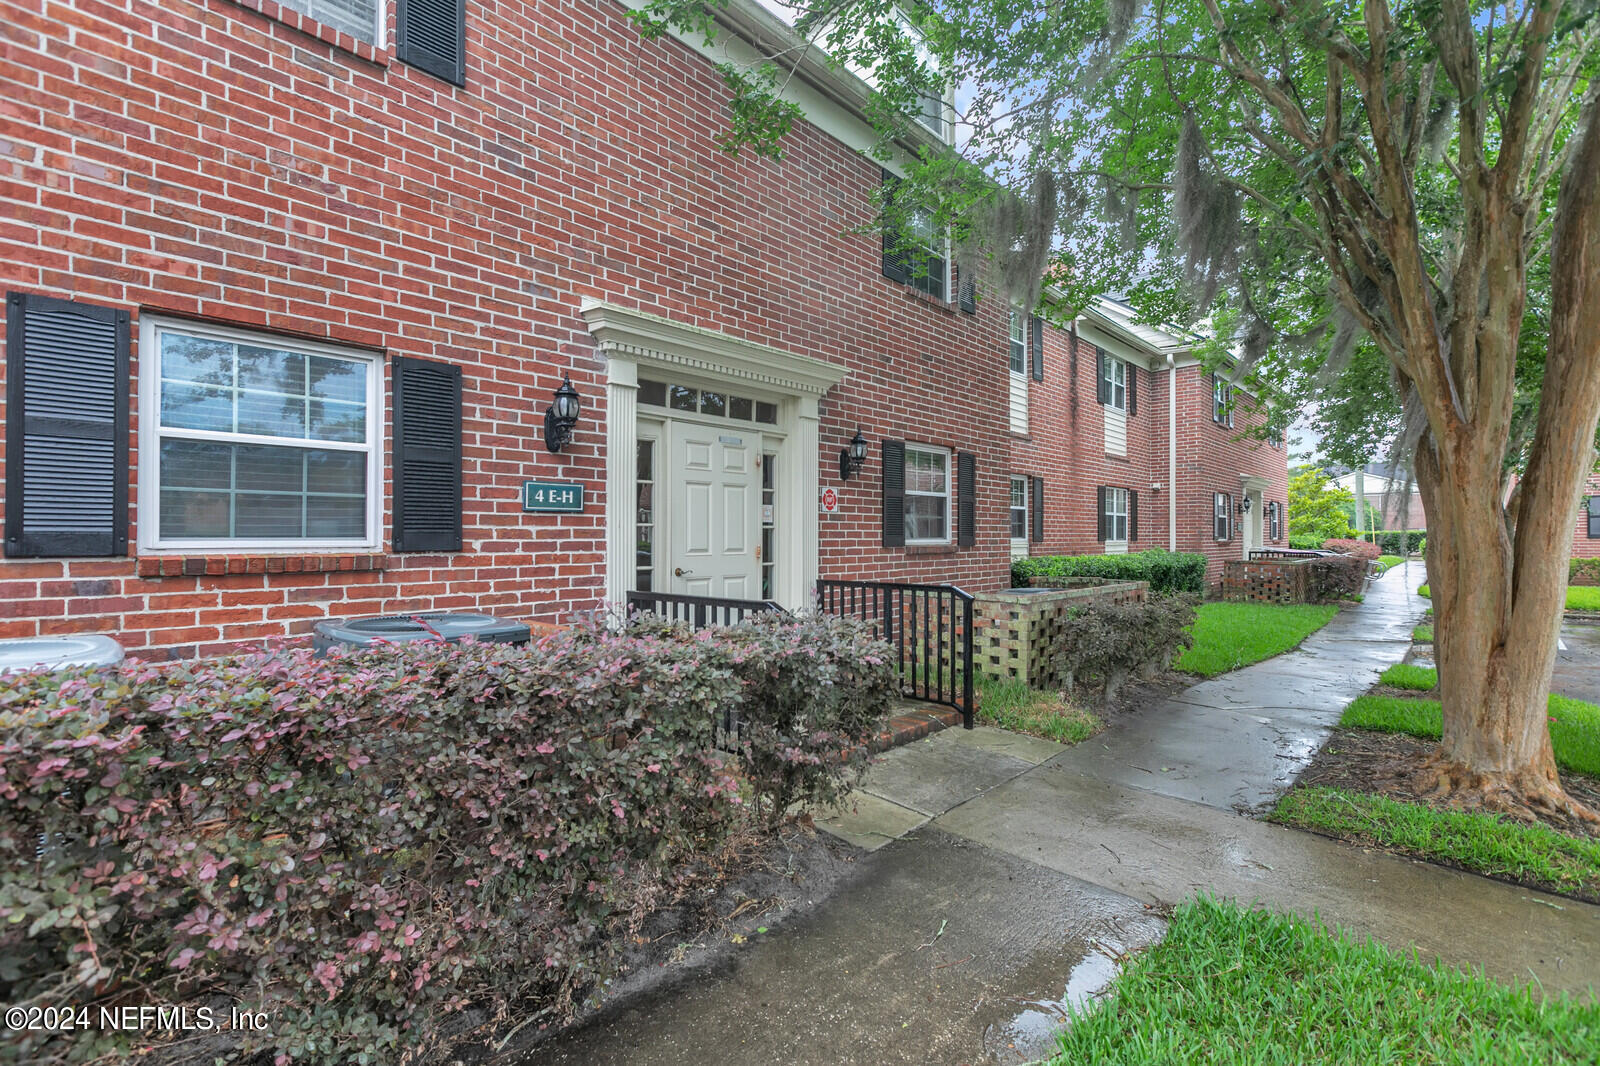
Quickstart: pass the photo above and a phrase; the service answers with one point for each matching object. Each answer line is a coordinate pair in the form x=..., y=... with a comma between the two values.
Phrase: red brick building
x=291, y=286
x=1586, y=531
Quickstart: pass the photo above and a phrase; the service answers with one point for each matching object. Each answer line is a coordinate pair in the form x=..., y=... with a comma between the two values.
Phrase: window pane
x=681, y=398
x=741, y=408
x=925, y=517
x=767, y=412
x=924, y=471
x=272, y=415
x=338, y=379
x=646, y=457
x=268, y=469
x=713, y=403
x=270, y=517
x=653, y=393
x=194, y=514
x=195, y=407
x=344, y=472
x=336, y=516
x=1019, y=492
x=337, y=421
x=1019, y=523
x=196, y=464
x=358, y=18
x=269, y=370
x=205, y=362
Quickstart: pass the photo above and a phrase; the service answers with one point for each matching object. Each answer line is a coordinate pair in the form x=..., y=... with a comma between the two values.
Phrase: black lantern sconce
x=1243, y=506
x=853, y=457
x=561, y=416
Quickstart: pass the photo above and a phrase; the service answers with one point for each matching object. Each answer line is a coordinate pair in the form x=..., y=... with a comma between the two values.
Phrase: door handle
x=679, y=571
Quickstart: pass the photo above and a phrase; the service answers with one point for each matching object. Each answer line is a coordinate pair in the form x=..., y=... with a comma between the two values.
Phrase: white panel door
x=716, y=490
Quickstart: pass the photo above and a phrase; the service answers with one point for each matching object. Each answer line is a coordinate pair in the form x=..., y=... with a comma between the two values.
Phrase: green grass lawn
x=1232, y=986
x=1423, y=634
x=1583, y=598
x=1579, y=597
x=1403, y=675
x=1230, y=635
x=1422, y=590
x=1013, y=705
x=1390, y=560
x=1481, y=842
x=1574, y=725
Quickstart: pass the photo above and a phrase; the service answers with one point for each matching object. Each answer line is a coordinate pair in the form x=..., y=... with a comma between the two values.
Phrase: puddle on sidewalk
x=1025, y=1030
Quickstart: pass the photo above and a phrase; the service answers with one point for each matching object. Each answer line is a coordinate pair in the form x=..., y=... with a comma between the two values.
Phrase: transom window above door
x=251, y=440
x=714, y=402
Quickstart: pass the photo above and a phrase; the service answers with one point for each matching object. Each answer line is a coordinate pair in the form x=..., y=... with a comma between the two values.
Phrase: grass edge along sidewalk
x=1231, y=634
x=1231, y=985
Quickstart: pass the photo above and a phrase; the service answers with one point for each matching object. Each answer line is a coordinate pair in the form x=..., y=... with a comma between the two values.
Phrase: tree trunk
x=1499, y=593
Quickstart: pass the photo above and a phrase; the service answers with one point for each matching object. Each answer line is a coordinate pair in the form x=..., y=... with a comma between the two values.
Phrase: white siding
x=1019, y=403
x=1116, y=431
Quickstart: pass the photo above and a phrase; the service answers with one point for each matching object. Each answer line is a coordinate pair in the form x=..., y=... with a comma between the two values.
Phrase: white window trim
x=150, y=434
x=1222, y=403
x=1027, y=513
x=1222, y=507
x=1017, y=335
x=1112, y=364
x=949, y=495
x=1112, y=513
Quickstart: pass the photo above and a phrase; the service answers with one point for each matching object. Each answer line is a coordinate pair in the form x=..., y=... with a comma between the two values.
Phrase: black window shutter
x=969, y=292
x=67, y=392
x=1101, y=391
x=1100, y=513
x=896, y=260
x=1133, y=515
x=894, y=494
x=1036, y=505
x=427, y=456
x=1133, y=388
x=1036, y=345
x=431, y=35
x=966, y=499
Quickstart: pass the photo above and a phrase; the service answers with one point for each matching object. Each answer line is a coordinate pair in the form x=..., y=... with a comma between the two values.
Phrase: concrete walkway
x=1007, y=875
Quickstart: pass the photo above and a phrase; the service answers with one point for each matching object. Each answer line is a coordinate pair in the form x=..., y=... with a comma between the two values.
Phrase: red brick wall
x=1584, y=546
x=196, y=157
x=1066, y=442
x=1211, y=458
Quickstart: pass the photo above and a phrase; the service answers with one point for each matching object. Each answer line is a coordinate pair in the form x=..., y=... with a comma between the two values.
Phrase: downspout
x=1172, y=452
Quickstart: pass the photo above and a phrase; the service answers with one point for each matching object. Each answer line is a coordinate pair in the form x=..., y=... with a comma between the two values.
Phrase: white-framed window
x=1017, y=379
x=1222, y=403
x=1222, y=509
x=930, y=258
x=1116, y=514
x=927, y=499
x=1019, y=342
x=361, y=19
x=1273, y=528
x=253, y=442
x=1019, y=508
x=1114, y=382
x=644, y=492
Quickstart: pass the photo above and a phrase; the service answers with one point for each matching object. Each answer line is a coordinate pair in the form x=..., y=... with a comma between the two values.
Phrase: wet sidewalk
x=1006, y=875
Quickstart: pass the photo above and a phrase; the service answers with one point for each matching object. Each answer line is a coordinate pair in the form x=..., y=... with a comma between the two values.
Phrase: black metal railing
x=928, y=626
x=698, y=611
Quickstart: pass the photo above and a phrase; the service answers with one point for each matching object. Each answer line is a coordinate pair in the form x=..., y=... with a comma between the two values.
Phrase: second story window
x=1221, y=404
x=1018, y=343
x=1113, y=382
x=915, y=251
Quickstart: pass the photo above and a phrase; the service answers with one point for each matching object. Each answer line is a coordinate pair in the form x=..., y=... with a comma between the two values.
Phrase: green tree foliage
x=1319, y=508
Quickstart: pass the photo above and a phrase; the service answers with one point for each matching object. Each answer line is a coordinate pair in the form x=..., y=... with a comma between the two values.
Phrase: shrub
x=1584, y=571
x=1422, y=545
x=362, y=846
x=1166, y=571
x=1399, y=542
x=1336, y=577
x=1305, y=542
x=1103, y=644
x=1359, y=548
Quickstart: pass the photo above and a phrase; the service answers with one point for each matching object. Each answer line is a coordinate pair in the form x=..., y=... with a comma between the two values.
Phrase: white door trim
x=628, y=339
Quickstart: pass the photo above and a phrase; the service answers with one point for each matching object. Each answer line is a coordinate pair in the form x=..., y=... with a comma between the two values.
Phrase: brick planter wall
x=1267, y=580
x=1017, y=630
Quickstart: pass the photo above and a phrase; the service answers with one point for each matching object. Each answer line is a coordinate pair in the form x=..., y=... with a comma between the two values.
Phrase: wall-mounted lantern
x=561, y=416
x=853, y=457
x=1243, y=506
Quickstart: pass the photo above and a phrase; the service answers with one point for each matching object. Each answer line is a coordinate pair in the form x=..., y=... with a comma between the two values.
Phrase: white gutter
x=1172, y=451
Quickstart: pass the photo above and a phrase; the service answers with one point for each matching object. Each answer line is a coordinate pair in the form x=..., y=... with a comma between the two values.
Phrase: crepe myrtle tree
x=1313, y=180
